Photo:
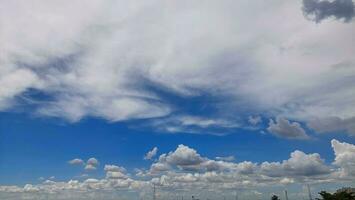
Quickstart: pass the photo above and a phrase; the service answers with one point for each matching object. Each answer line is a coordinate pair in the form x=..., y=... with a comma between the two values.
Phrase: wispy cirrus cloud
x=98, y=65
x=76, y=161
x=150, y=154
x=194, y=124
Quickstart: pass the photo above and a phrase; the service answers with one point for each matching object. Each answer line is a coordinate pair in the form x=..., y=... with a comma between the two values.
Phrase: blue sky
x=45, y=146
x=201, y=97
x=34, y=148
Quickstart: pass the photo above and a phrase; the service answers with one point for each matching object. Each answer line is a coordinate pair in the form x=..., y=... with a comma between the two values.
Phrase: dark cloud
x=333, y=124
x=286, y=129
x=317, y=10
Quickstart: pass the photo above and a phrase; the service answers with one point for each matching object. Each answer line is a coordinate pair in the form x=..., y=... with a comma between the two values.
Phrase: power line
x=154, y=195
x=309, y=192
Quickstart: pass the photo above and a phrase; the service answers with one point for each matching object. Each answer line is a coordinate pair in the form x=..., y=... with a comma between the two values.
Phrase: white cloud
x=97, y=64
x=184, y=155
x=203, y=122
x=91, y=164
x=115, y=172
x=158, y=167
x=194, y=124
x=186, y=159
x=15, y=82
x=114, y=168
x=76, y=161
x=287, y=181
x=31, y=188
x=92, y=161
x=299, y=164
x=90, y=167
x=208, y=175
x=150, y=154
x=115, y=175
x=286, y=129
x=344, y=158
x=183, y=158
x=254, y=120
x=226, y=158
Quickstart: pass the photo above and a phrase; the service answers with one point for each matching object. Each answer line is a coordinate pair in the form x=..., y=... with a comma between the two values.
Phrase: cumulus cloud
x=114, y=168
x=150, y=154
x=92, y=161
x=319, y=10
x=185, y=169
x=344, y=158
x=186, y=159
x=90, y=167
x=115, y=172
x=184, y=156
x=286, y=129
x=299, y=164
x=91, y=164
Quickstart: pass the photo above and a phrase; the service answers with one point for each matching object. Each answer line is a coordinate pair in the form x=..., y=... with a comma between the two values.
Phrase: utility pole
x=309, y=192
x=286, y=196
x=154, y=195
x=236, y=195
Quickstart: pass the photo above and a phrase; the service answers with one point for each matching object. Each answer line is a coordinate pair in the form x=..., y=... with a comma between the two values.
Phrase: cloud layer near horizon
x=109, y=60
x=185, y=168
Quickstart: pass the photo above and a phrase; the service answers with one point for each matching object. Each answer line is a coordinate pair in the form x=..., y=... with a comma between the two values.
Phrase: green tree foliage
x=274, y=197
x=337, y=196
